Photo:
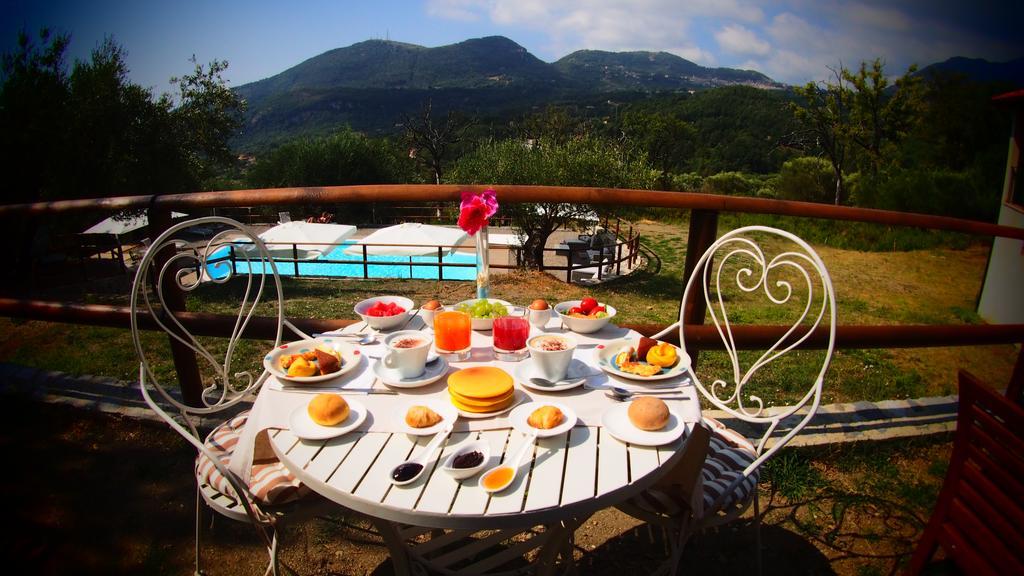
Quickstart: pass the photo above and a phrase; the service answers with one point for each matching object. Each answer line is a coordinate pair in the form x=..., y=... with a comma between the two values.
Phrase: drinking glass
x=510, y=334
x=452, y=331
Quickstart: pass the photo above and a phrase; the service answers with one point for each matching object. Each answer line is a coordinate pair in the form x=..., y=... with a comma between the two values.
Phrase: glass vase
x=483, y=269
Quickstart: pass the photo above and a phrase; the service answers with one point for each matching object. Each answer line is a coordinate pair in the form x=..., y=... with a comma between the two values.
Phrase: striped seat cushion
x=728, y=455
x=270, y=482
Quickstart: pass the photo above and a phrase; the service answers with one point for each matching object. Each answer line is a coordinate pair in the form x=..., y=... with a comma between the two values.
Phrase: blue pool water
x=379, y=266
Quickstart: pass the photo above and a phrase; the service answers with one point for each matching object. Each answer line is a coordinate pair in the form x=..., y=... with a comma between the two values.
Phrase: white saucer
x=517, y=399
x=616, y=421
x=433, y=372
x=444, y=409
x=303, y=426
x=521, y=414
x=577, y=369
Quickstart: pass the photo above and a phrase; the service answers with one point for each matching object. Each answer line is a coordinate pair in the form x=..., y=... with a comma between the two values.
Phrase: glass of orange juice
x=452, y=331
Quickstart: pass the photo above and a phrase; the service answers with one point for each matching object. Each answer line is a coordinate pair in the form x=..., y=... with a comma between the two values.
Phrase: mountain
x=647, y=71
x=979, y=70
x=373, y=85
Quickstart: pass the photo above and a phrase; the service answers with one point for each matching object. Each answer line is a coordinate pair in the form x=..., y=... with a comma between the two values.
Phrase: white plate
x=350, y=358
x=616, y=421
x=521, y=414
x=517, y=399
x=605, y=354
x=303, y=426
x=433, y=372
x=444, y=409
x=577, y=369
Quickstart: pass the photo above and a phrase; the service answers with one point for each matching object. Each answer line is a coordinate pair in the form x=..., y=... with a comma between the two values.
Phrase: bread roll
x=421, y=417
x=328, y=409
x=648, y=413
x=545, y=417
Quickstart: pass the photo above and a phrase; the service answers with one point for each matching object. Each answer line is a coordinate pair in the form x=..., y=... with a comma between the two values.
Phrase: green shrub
x=731, y=184
x=688, y=182
x=807, y=179
x=943, y=192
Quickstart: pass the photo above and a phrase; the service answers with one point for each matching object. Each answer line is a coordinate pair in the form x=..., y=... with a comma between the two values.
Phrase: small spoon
x=509, y=468
x=564, y=382
x=362, y=339
x=409, y=471
x=621, y=394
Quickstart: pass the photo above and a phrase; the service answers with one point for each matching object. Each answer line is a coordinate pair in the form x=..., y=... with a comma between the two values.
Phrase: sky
x=792, y=41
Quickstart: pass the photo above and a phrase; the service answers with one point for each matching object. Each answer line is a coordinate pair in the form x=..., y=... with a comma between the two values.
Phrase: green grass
x=894, y=288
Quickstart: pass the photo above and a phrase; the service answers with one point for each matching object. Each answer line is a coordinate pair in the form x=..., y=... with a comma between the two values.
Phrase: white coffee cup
x=552, y=354
x=407, y=353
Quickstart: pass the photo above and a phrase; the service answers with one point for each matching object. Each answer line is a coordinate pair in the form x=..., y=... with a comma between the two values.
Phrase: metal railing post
x=440, y=263
x=366, y=264
x=295, y=257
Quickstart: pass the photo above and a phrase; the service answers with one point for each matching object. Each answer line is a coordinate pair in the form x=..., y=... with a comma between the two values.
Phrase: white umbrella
x=122, y=224
x=410, y=239
x=311, y=239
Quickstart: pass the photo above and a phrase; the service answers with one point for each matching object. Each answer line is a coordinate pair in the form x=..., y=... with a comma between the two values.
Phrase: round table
x=569, y=477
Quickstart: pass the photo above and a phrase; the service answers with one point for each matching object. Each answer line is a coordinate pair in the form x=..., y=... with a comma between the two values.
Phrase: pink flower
x=476, y=209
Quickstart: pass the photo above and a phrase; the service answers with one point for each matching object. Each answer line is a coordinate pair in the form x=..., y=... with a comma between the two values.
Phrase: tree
x=825, y=114
x=576, y=162
x=433, y=142
x=880, y=117
x=668, y=141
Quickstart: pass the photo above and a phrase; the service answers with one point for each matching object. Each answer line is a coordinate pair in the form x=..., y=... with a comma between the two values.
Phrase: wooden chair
x=979, y=519
x=272, y=494
x=733, y=273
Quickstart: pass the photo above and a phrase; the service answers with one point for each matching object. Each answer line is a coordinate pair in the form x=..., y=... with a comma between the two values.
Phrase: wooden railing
x=704, y=211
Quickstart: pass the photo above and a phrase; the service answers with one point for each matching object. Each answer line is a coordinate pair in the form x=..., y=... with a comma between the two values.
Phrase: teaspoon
x=621, y=394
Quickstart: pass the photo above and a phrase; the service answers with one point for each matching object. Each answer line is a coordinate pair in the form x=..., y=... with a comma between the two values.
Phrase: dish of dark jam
x=468, y=460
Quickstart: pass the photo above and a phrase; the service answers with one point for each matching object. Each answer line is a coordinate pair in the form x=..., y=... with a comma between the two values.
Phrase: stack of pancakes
x=481, y=389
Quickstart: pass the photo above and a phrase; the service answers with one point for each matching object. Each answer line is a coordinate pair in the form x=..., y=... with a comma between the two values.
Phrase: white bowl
x=462, y=473
x=482, y=323
x=385, y=322
x=582, y=325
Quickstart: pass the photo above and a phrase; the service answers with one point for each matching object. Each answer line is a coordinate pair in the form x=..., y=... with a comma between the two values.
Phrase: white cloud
x=737, y=39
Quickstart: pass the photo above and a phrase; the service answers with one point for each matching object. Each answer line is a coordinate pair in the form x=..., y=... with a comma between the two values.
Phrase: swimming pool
x=377, y=267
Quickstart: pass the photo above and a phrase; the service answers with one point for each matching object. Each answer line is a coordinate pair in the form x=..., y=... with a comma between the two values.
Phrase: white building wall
x=1002, y=294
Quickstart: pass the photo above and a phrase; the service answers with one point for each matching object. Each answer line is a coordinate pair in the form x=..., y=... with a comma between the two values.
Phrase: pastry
x=328, y=409
x=663, y=354
x=640, y=368
x=327, y=360
x=300, y=367
x=644, y=346
x=545, y=417
x=421, y=417
x=481, y=389
x=648, y=413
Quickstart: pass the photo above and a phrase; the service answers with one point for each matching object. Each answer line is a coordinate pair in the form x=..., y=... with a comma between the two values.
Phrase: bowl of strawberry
x=384, y=312
x=584, y=316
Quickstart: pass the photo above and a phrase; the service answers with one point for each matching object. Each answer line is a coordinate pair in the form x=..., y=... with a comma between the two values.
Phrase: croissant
x=545, y=417
x=421, y=417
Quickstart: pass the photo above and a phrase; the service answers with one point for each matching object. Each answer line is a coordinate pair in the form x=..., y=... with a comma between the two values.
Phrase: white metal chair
x=274, y=493
x=733, y=272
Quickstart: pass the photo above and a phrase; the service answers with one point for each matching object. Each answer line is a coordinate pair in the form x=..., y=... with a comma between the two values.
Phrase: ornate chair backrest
x=164, y=268
x=735, y=270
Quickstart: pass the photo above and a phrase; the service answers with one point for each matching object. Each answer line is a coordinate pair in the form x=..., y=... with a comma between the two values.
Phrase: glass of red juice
x=510, y=335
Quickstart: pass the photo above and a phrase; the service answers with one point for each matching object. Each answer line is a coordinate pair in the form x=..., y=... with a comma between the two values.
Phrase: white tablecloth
x=277, y=400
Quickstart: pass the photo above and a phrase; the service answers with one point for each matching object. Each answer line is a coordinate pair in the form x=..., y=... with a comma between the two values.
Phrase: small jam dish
x=480, y=446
